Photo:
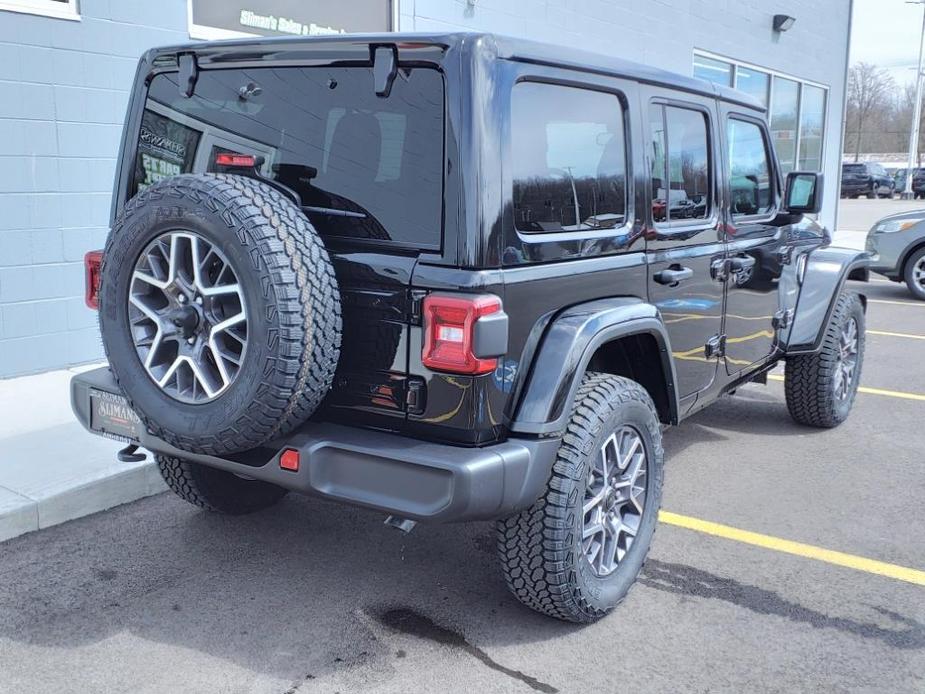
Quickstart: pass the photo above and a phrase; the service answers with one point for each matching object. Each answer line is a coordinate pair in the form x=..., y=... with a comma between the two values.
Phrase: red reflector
x=289, y=460
x=449, y=325
x=240, y=160
x=92, y=263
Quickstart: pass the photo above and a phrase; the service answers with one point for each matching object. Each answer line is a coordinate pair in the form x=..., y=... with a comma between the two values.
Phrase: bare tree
x=870, y=90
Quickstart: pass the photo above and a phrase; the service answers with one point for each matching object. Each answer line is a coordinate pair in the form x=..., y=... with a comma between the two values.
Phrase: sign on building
x=212, y=19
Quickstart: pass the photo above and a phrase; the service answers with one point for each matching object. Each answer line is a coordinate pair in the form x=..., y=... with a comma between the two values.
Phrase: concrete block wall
x=665, y=33
x=63, y=93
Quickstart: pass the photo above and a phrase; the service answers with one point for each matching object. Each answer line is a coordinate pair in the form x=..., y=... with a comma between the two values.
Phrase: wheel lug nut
x=191, y=340
x=182, y=298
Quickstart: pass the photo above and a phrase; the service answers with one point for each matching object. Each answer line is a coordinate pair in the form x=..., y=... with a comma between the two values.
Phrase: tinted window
x=853, y=168
x=750, y=183
x=323, y=133
x=569, y=159
x=680, y=164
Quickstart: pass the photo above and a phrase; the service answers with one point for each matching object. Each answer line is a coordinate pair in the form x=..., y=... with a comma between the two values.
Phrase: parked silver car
x=898, y=242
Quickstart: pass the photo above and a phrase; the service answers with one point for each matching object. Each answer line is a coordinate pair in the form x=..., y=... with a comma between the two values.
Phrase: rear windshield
x=366, y=167
x=853, y=168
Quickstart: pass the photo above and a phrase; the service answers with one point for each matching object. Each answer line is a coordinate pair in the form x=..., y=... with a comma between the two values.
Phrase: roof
x=500, y=46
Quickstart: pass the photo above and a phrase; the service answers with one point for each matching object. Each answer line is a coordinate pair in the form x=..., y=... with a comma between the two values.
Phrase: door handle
x=673, y=275
x=741, y=262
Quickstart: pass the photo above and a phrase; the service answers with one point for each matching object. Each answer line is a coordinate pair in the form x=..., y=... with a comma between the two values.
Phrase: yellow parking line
x=889, y=334
x=872, y=391
x=851, y=561
x=919, y=304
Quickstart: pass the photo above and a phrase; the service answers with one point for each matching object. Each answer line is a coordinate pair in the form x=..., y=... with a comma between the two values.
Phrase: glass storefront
x=796, y=109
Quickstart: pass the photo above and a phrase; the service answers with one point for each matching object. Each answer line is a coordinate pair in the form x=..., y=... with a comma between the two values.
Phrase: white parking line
x=886, y=333
x=919, y=304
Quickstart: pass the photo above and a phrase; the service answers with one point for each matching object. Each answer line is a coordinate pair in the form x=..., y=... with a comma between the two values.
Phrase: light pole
x=907, y=194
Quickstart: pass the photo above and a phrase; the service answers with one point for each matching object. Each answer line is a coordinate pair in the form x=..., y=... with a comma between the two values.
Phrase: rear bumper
x=854, y=187
x=394, y=474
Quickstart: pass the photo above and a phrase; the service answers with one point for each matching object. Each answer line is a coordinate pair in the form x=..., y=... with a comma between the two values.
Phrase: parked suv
x=454, y=277
x=897, y=243
x=867, y=179
x=918, y=182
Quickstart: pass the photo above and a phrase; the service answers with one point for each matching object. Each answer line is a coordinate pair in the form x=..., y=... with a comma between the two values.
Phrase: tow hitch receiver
x=406, y=525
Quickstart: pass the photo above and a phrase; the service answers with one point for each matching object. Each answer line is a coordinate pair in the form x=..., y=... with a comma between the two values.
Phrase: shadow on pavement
x=686, y=580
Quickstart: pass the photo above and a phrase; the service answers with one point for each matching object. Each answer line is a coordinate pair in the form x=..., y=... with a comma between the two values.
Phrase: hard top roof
x=495, y=45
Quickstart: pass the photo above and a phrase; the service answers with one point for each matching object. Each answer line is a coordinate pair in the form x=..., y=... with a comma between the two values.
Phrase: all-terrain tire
x=916, y=286
x=809, y=379
x=291, y=297
x=540, y=548
x=216, y=490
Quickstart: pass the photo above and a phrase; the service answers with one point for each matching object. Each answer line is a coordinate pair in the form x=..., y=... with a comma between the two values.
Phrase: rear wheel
x=216, y=490
x=576, y=552
x=914, y=274
x=872, y=194
x=821, y=387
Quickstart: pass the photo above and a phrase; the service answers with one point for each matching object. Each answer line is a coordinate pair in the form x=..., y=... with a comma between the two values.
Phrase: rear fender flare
x=827, y=269
x=566, y=349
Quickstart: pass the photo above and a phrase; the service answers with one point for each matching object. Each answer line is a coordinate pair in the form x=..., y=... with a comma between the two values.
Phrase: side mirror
x=803, y=192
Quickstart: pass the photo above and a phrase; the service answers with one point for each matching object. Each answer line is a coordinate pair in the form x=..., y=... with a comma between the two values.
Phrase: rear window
x=853, y=168
x=366, y=167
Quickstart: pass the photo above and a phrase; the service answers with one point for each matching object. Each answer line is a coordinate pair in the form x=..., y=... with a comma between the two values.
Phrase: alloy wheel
x=918, y=272
x=614, y=500
x=187, y=316
x=847, y=359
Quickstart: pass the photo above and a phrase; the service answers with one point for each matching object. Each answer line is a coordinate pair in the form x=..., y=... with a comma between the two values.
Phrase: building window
x=753, y=82
x=569, y=159
x=61, y=9
x=796, y=108
x=713, y=70
x=785, y=105
x=812, y=118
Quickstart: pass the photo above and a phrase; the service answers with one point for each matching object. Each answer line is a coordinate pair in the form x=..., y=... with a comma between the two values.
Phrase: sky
x=887, y=33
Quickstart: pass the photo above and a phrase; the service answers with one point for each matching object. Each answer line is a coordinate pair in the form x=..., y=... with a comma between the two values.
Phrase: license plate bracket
x=111, y=416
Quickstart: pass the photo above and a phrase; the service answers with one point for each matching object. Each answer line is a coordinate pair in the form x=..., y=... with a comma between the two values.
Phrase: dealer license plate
x=111, y=416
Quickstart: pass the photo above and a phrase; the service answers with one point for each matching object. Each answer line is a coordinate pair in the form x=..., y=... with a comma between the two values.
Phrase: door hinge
x=782, y=319
x=715, y=347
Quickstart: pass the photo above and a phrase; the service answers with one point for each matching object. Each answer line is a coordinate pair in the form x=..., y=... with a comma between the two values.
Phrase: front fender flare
x=827, y=270
x=566, y=349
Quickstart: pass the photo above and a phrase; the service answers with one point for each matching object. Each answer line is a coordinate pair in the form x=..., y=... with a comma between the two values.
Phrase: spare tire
x=219, y=311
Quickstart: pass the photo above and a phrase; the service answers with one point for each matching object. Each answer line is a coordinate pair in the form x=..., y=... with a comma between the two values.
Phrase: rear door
x=368, y=169
x=685, y=242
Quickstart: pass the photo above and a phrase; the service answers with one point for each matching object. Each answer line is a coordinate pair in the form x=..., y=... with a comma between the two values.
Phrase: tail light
x=92, y=264
x=459, y=336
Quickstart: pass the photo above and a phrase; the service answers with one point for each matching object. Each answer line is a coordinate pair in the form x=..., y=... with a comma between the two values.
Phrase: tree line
x=879, y=113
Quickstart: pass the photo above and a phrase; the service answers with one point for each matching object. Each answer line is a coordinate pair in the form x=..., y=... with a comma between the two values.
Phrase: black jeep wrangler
x=454, y=277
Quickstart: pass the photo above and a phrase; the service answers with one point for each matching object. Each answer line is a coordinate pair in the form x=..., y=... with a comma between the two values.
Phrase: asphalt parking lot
x=310, y=596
